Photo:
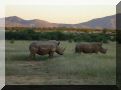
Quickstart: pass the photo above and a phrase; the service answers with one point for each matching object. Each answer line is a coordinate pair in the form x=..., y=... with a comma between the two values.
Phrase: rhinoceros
x=49, y=41
x=54, y=41
x=44, y=48
x=93, y=47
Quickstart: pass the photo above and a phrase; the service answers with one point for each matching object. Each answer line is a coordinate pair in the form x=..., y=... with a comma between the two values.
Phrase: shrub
x=57, y=35
x=12, y=41
x=70, y=40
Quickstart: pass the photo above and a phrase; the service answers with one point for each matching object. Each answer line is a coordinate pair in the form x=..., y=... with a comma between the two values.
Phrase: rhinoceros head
x=55, y=42
x=60, y=50
x=103, y=50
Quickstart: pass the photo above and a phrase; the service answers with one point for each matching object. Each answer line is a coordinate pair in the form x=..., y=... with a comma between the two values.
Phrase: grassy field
x=69, y=69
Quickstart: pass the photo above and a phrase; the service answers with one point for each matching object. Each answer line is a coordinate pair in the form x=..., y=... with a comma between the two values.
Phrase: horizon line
x=55, y=22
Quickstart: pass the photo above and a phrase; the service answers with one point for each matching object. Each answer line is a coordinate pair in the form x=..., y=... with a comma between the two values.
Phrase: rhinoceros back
x=88, y=47
x=42, y=45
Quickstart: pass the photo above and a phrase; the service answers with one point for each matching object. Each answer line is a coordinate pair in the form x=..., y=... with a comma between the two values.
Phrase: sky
x=60, y=11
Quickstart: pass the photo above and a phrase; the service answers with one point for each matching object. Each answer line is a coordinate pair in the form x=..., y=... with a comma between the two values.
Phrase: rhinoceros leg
x=33, y=52
x=51, y=54
x=97, y=52
x=77, y=50
x=32, y=56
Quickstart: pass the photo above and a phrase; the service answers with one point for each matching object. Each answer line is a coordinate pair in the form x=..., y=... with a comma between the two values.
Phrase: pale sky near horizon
x=63, y=11
x=60, y=13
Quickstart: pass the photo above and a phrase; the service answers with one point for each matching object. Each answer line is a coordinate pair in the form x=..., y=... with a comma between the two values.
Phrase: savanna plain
x=68, y=69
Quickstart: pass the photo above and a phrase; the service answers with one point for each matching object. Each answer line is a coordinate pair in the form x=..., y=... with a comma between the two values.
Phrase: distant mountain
x=15, y=21
x=108, y=22
x=99, y=23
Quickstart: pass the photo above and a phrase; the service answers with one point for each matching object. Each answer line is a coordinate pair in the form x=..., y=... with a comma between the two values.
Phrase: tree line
x=59, y=35
x=51, y=29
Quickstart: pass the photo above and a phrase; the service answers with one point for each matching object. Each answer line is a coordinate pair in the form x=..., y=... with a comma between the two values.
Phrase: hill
x=108, y=22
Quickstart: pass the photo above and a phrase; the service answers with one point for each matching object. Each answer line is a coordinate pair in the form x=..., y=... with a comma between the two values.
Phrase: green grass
x=70, y=68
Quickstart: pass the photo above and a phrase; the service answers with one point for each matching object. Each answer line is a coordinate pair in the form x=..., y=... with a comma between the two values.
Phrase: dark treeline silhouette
x=31, y=34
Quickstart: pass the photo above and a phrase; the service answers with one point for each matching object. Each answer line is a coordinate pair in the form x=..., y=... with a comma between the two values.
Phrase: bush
x=57, y=35
x=70, y=40
x=12, y=41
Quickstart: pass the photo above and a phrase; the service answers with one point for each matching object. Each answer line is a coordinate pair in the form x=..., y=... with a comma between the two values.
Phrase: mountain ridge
x=108, y=22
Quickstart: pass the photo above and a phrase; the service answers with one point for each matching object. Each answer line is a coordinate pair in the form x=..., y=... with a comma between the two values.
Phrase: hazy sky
x=60, y=13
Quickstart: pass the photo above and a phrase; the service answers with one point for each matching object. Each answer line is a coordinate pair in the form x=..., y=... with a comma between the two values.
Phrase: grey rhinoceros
x=93, y=47
x=49, y=41
x=45, y=47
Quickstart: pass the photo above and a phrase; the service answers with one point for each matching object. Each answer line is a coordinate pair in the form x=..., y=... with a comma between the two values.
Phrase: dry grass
x=71, y=68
